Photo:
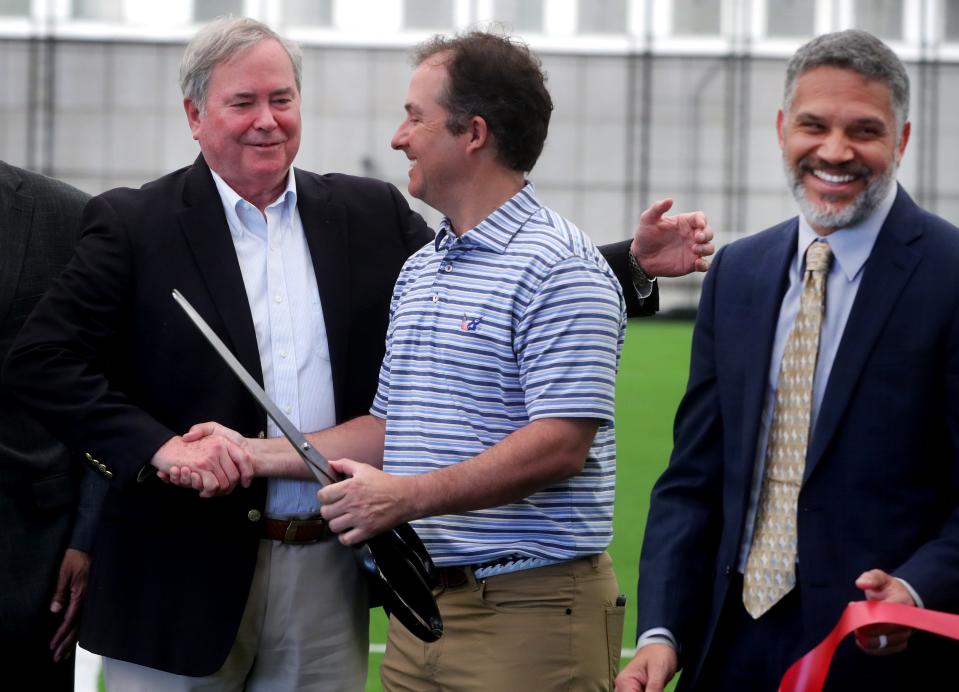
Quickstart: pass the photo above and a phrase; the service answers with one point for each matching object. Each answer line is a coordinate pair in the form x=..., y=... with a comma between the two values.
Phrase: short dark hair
x=499, y=79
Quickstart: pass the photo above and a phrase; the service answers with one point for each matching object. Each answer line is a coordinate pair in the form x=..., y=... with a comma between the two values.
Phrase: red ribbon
x=809, y=673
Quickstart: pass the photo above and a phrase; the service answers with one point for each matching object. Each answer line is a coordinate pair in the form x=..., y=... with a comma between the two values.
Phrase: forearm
x=360, y=439
x=536, y=456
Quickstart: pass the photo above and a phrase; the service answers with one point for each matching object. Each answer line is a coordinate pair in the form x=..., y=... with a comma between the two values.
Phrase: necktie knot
x=818, y=257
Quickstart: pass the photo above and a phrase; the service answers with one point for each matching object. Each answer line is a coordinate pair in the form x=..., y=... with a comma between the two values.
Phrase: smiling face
x=249, y=130
x=437, y=156
x=841, y=146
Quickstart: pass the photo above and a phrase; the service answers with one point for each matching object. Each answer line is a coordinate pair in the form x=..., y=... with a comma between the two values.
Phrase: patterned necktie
x=771, y=565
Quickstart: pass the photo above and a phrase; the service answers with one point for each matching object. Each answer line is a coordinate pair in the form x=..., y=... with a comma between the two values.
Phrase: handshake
x=210, y=458
x=213, y=459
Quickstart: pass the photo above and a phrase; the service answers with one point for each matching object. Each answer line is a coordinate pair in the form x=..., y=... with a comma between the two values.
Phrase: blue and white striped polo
x=518, y=319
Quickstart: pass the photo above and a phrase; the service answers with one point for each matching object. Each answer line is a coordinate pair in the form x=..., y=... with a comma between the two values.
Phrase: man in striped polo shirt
x=493, y=422
x=494, y=415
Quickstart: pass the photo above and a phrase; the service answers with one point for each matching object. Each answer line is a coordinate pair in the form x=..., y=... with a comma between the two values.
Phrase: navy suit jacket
x=47, y=503
x=881, y=484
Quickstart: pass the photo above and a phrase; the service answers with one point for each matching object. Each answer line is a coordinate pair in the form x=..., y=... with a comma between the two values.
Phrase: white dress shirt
x=284, y=300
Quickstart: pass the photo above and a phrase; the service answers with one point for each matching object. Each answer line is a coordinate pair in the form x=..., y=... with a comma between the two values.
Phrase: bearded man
x=816, y=446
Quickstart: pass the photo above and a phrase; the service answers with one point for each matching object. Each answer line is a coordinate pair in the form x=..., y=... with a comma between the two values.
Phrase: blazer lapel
x=204, y=225
x=886, y=273
x=14, y=236
x=325, y=226
x=770, y=284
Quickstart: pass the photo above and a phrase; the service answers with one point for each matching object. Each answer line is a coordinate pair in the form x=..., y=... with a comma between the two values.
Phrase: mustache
x=812, y=162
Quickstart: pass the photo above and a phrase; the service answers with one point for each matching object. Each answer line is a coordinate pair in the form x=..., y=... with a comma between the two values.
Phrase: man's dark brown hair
x=497, y=78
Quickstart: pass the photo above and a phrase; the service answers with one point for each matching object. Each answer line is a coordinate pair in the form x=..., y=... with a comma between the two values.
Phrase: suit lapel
x=204, y=225
x=325, y=226
x=771, y=279
x=886, y=273
x=15, y=234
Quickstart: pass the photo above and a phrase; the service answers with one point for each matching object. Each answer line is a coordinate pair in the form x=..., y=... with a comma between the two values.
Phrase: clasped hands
x=212, y=459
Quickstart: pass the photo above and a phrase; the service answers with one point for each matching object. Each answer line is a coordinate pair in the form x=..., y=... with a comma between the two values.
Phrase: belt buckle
x=292, y=529
x=289, y=536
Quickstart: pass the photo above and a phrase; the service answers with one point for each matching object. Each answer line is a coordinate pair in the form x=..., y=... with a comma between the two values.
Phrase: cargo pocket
x=615, y=616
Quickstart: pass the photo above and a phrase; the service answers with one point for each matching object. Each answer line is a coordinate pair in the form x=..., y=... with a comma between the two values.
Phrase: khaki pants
x=304, y=629
x=537, y=630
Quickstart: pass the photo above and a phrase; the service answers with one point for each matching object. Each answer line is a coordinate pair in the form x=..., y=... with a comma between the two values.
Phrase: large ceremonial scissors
x=396, y=562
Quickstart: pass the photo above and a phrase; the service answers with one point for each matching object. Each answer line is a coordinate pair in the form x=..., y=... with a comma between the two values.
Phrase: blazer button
x=261, y=435
x=253, y=515
x=727, y=570
x=108, y=474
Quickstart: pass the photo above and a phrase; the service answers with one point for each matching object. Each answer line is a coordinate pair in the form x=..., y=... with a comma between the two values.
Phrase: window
x=951, y=25
x=14, y=8
x=205, y=10
x=696, y=17
x=308, y=12
x=428, y=14
x=880, y=17
x=790, y=17
x=602, y=17
x=99, y=10
x=521, y=15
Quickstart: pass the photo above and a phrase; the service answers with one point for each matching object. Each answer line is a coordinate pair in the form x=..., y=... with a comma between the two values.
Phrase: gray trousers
x=305, y=628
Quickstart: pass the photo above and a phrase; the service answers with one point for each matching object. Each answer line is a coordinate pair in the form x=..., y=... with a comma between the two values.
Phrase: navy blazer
x=881, y=484
x=112, y=365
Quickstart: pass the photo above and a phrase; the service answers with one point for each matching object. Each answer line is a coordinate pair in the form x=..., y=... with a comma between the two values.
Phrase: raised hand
x=672, y=245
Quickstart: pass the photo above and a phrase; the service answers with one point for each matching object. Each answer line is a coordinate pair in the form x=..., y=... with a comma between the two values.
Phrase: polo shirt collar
x=497, y=230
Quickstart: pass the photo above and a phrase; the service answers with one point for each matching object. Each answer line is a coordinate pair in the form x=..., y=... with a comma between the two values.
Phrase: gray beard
x=825, y=216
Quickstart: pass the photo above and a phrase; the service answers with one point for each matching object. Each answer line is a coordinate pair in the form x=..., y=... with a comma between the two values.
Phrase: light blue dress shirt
x=284, y=300
x=850, y=247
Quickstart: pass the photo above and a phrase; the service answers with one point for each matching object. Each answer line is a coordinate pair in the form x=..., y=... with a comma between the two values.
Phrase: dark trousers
x=28, y=665
x=749, y=655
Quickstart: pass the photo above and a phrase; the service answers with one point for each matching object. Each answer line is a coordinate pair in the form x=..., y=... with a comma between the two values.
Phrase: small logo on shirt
x=470, y=324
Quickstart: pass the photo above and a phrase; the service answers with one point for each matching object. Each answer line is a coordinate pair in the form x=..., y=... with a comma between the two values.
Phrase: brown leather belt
x=296, y=531
x=452, y=577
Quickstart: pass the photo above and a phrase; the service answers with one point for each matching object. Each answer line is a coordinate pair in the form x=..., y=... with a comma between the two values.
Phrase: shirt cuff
x=657, y=635
x=912, y=592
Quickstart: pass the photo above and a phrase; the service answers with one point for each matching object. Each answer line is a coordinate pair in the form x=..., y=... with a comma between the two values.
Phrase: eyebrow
x=285, y=91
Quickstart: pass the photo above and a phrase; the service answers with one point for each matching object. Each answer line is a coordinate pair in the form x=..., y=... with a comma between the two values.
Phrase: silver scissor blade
x=315, y=461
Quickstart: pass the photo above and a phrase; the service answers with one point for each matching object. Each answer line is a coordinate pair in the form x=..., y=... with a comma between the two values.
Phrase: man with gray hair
x=817, y=447
x=295, y=271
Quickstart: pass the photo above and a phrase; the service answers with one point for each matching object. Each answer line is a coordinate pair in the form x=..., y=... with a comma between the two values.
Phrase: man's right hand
x=212, y=464
x=652, y=667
